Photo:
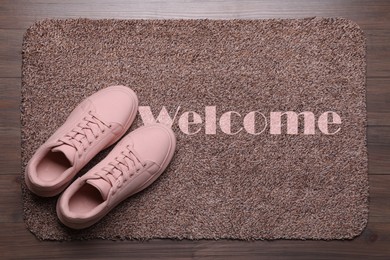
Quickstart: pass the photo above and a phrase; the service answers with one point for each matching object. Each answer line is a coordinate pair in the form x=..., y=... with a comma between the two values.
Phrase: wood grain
x=372, y=244
x=372, y=16
x=379, y=159
x=20, y=14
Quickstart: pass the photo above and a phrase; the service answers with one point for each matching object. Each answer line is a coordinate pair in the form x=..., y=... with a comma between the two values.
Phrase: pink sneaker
x=135, y=162
x=96, y=123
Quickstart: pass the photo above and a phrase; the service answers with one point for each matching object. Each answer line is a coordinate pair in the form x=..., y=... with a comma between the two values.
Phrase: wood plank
x=10, y=126
x=378, y=118
x=379, y=206
x=20, y=14
x=378, y=138
x=378, y=52
x=10, y=102
x=378, y=101
x=11, y=199
x=378, y=135
x=10, y=156
x=379, y=159
x=17, y=243
x=11, y=52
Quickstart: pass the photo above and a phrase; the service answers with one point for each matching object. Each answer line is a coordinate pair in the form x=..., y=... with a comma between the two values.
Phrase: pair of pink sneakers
x=132, y=165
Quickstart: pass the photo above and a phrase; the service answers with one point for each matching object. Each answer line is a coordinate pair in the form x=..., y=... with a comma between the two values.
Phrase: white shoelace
x=122, y=169
x=85, y=133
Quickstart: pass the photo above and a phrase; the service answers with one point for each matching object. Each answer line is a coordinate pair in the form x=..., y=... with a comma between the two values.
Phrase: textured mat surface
x=233, y=175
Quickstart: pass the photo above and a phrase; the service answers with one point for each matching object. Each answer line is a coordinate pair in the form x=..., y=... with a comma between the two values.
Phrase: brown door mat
x=270, y=118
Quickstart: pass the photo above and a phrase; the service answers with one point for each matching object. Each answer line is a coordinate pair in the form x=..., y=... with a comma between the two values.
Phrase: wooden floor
x=372, y=16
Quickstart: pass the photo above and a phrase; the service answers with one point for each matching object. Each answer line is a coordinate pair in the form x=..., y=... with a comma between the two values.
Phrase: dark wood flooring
x=373, y=17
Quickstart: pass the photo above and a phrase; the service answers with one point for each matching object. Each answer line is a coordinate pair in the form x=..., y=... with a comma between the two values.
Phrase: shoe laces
x=85, y=133
x=122, y=168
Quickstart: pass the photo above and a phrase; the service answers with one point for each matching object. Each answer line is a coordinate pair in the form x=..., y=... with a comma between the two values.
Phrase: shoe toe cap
x=154, y=143
x=115, y=104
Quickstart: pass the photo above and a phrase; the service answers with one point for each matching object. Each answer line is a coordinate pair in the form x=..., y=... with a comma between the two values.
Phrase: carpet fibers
x=242, y=170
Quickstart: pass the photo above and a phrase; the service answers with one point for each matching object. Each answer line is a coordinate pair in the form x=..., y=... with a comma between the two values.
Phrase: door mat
x=270, y=119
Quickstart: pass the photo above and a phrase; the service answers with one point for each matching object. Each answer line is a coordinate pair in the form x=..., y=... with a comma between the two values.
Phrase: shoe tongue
x=102, y=186
x=67, y=150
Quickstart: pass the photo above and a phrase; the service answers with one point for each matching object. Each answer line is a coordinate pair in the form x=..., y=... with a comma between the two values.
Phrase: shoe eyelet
x=109, y=126
x=85, y=149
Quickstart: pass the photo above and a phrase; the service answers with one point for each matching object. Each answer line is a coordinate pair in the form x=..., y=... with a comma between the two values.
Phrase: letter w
x=163, y=118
